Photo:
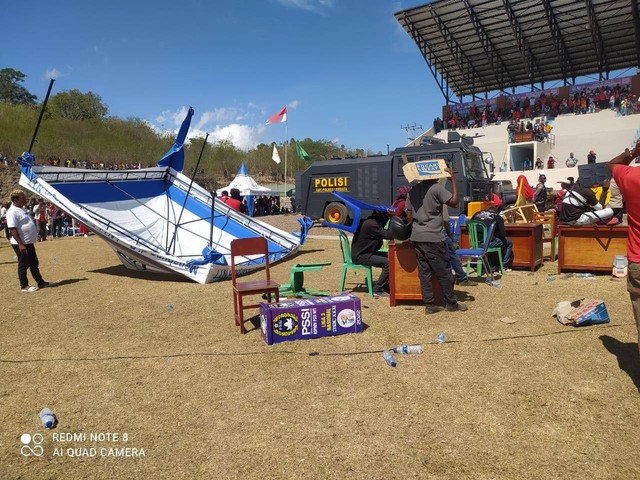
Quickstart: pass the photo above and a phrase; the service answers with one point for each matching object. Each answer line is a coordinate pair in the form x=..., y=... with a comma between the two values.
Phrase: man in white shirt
x=571, y=161
x=23, y=237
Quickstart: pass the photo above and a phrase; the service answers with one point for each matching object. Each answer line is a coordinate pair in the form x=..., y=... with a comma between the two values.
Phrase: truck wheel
x=335, y=213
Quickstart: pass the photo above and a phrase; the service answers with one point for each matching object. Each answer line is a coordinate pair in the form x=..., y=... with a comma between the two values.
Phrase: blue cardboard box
x=302, y=318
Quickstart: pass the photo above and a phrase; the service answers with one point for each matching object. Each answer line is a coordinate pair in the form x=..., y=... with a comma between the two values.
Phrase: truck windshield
x=474, y=166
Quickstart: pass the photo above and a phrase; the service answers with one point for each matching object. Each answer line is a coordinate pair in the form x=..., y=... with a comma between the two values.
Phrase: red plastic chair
x=244, y=247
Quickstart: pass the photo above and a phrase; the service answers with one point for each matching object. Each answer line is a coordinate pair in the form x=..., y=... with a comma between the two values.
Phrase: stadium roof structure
x=473, y=47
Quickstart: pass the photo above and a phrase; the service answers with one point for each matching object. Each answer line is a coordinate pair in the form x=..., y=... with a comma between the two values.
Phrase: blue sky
x=346, y=70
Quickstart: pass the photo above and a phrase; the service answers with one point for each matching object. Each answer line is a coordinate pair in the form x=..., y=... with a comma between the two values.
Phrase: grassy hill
x=133, y=141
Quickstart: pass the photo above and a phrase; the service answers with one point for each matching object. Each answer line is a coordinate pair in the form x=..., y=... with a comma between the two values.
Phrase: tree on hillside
x=75, y=105
x=10, y=89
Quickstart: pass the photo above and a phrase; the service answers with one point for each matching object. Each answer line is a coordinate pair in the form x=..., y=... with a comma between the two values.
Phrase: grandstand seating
x=605, y=132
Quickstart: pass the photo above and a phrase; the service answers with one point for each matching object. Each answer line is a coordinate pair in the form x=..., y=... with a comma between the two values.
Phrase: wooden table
x=590, y=248
x=527, y=243
x=404, y=282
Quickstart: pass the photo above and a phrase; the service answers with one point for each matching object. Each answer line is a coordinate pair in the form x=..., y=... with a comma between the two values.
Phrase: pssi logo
x=285, y=324
x=305, y=317
x=31, y=445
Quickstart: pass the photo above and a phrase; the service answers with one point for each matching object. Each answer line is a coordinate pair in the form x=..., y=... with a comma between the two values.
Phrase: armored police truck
x=376, y=179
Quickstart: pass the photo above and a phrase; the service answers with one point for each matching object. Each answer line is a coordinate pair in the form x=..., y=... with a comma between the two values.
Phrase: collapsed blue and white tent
x=156, y=218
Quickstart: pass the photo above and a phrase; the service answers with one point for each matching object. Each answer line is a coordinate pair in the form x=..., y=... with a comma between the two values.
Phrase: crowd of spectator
x=50, y=221
x=262, y=204
x=72, y=163
x=588, y=100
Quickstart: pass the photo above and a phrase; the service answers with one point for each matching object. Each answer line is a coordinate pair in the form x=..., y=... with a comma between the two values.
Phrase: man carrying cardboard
x=424, y=208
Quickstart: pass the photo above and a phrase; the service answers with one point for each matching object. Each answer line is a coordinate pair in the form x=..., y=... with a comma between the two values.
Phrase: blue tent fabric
x=357, y=206
x=26, y=160
x=209, y=256
x=174, y=158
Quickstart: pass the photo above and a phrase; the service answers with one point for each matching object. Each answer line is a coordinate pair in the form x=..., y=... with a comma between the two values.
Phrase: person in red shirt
x=628, y=180
x=41, y=218
x=551, y=162
x=235, y=201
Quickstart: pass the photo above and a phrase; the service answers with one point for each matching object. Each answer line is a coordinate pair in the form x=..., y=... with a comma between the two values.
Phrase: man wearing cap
x=628, y=180
x=591, y=158
x=580, y=206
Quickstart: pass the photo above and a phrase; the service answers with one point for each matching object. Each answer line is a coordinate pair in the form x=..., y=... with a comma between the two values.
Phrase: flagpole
x=285, y=161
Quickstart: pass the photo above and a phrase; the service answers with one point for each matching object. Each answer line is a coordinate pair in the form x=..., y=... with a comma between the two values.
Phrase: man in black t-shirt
x=365, y=247
x=591, y=158
x=540, y=193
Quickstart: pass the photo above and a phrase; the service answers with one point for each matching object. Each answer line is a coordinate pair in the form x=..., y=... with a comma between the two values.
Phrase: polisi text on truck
x=328, y=184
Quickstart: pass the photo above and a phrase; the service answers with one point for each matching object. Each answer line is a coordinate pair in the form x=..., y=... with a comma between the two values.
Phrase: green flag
x=301, y=153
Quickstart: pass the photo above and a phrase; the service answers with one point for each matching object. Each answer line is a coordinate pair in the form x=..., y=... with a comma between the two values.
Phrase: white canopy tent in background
x=248, y=188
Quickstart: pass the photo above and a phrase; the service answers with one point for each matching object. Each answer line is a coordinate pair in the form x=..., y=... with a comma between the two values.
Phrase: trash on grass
x=581, y=312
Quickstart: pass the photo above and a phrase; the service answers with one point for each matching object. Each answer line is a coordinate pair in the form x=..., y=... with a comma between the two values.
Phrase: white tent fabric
x=247, y=185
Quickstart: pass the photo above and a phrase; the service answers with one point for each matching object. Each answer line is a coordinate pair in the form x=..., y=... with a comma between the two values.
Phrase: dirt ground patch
x=160, y=359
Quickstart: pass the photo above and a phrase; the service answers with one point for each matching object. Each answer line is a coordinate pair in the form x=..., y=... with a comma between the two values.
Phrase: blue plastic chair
x=478, y=252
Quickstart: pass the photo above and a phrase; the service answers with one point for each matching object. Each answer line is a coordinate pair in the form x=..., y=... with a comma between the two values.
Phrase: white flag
x=275, y=157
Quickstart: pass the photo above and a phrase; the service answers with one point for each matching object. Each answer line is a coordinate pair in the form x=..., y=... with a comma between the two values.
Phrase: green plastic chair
x=475, y=242
x=347, y=264
x=296, y=278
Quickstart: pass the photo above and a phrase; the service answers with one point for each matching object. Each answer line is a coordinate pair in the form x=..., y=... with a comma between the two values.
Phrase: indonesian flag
x=281, y=116
x=276, y=156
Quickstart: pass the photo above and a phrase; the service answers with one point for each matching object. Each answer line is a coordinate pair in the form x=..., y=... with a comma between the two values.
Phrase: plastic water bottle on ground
x=441, y=338
x=389, y=358
x=584, y=275
x=408, y=349
x=47, y=418
x=494, y=283
x=551, y=278
x=170, y=307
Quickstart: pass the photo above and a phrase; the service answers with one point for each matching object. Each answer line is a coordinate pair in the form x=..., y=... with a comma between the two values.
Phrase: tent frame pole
x=186, y=197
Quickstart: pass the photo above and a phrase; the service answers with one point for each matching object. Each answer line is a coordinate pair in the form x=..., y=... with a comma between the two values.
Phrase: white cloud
x=54, y=73
x=316, y=6
x=171, y=119
x=242, y=126
x=244, y=137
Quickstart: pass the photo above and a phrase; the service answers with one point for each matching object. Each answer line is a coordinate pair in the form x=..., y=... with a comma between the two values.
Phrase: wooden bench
x=590, y=248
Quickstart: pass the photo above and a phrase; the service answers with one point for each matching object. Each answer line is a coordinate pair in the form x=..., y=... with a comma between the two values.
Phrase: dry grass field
x=160, y=360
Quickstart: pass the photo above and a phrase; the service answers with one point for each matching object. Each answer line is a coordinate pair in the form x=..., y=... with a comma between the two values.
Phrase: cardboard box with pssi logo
x=302, y=318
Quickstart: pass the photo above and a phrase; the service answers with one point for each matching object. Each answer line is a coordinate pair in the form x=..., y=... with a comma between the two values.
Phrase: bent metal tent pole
x=186, y=197
x=44, y=105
